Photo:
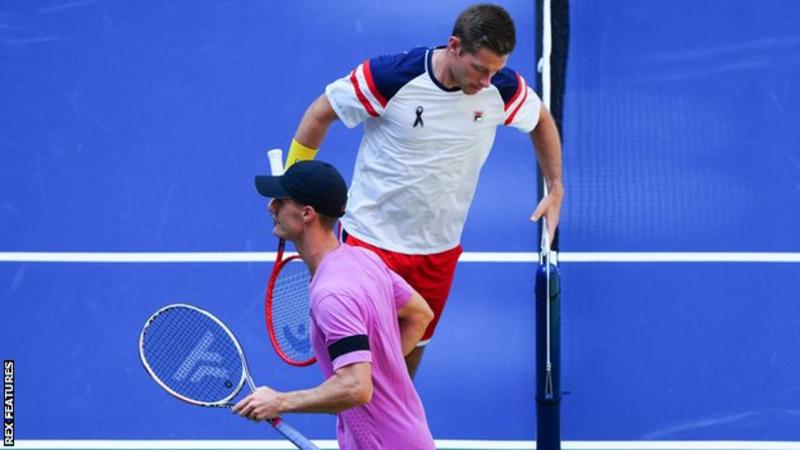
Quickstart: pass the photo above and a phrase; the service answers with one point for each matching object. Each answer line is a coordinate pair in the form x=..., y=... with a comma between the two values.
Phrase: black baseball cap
x=314, y=183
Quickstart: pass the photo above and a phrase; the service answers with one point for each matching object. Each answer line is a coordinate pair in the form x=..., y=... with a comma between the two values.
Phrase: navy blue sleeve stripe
x=348, y=345
x=392, y=72
x=507, y=83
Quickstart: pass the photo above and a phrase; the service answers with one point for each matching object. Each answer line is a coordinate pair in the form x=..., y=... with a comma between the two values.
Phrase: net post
x=552, y=29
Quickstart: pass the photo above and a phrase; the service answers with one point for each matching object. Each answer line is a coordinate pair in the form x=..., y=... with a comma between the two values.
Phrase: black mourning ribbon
x=419, y=118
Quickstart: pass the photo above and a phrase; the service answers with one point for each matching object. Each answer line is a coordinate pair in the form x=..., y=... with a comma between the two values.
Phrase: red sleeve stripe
x=371, y=84
x=361, y=96
x=520, y=88
x=516, y=110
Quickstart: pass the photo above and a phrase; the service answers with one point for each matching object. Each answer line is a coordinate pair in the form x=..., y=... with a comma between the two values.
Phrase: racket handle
x=275, y=161
x=302, y=442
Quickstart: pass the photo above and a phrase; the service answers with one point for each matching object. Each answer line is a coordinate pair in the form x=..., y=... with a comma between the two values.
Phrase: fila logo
x=201, y=354
x=477, y=116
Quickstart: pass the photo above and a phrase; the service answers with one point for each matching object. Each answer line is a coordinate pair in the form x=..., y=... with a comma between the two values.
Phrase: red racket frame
x=279, y=264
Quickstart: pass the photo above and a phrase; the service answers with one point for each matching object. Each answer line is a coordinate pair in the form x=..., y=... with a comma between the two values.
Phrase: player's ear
x=454, y=45
x=309, y=213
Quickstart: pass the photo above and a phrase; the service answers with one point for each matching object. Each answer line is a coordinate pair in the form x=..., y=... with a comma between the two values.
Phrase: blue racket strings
x=192, y=355
x=291, y=311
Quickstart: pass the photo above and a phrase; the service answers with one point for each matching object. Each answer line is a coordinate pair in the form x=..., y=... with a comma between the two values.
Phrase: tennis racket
x=287, y=305
x=196, y=358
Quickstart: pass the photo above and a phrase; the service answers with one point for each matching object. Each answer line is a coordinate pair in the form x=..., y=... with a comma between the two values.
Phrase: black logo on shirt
x=419, y=118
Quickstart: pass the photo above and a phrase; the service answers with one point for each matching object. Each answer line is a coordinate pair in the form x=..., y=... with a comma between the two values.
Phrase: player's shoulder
x=391, y=72
x=345, y=263
x=400, y=65
x=509, y=83
x=351, y=258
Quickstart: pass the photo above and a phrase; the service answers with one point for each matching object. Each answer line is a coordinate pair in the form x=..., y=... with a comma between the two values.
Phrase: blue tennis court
x=130, y=133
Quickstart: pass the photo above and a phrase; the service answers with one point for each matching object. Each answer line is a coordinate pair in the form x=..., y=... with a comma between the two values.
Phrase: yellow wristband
x=299, y=152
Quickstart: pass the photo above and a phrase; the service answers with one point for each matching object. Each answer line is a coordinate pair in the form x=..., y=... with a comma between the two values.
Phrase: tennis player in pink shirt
x=364, y=320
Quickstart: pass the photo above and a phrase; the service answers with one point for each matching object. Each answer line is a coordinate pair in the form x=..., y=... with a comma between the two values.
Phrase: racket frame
x=282, y=427
x=273, y=337
x=275, y=157
x=223, y=403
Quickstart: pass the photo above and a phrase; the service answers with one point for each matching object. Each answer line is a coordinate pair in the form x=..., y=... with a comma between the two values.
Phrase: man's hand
x=550, y=208
x=262, y=404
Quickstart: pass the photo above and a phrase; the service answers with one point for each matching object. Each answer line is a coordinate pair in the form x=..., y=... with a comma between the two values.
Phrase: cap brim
x=271, y=187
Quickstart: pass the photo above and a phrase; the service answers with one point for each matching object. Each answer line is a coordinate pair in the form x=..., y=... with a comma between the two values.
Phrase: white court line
x=498, y=257
x=440, y=444
x=138, y=257
x=763, y=257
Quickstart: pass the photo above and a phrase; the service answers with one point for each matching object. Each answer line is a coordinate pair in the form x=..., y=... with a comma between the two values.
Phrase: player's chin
x=471, y=90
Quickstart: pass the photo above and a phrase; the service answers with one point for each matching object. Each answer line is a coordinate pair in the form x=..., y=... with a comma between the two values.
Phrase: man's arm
x=314, y=125
x=349, y=386
x=548, y=153
x=414, y=317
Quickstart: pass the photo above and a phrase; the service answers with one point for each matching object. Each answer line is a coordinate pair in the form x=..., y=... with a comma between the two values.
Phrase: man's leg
x=432, y=277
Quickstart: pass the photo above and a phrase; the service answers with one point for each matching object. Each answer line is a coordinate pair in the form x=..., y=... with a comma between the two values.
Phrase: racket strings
x=291, y=314
x=192, y=355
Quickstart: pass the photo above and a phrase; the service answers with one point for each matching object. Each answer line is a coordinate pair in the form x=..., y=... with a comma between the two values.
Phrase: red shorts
x=430, y=275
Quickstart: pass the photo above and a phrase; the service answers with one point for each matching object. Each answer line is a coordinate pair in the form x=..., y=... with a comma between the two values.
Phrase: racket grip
x=275, y=161
x=302, y=442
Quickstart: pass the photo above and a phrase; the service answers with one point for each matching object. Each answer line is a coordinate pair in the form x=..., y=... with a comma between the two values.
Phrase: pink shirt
x=354, y=302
